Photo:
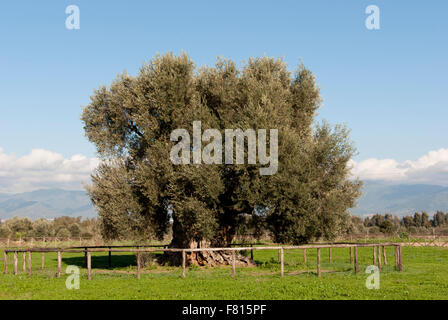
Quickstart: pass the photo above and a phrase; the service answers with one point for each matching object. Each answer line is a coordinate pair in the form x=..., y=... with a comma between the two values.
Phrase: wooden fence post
x=15, y=262
x=282, y=268
x=89, y=266
x=400, y=258
x=59, y=264
x=318, y=262
x=110, y=258
x=43, y=260
x=379, y=258
x=138, y=264
x=24, y=262
x=374, y=255
x=351, y=255
x=304, y=256
x=184, y=258
x=85, y=257
x=5, y=262
x=396, y=257
x=251, y=252
x=329, y=255
x=233, y=263
x=384, y=255
x=30, y=263
x=356, y=259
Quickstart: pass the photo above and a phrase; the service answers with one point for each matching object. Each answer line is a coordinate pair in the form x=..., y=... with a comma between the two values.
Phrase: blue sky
x=389, y=85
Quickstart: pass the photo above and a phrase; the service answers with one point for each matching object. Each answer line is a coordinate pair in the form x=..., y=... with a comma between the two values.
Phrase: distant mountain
x=46, y=203
x=401, y=199
x=378, y=197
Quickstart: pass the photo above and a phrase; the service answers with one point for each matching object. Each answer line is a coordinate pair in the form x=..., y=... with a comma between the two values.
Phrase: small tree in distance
x=137, y=189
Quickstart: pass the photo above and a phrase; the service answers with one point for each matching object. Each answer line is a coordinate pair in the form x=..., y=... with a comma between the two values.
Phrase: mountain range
x=46, y=203
x=401, y=199
x=378, y=197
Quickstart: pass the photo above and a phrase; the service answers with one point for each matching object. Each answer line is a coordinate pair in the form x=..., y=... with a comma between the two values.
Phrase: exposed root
x=206, y=258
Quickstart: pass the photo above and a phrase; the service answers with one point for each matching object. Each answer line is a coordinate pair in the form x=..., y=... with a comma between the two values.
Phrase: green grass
x=425, y=276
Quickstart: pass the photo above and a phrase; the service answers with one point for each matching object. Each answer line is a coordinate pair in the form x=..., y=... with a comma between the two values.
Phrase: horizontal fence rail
x=379, y=256
x=416, y=241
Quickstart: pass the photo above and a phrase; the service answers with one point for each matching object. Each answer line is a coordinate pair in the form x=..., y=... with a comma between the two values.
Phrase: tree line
x=418, y=223
x=61, y=227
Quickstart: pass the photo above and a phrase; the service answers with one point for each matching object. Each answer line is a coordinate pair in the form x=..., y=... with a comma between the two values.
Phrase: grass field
x=424, y=276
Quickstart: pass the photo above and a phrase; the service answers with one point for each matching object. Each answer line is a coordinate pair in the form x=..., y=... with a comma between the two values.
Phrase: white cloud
x=431, y=168
x=44, y=169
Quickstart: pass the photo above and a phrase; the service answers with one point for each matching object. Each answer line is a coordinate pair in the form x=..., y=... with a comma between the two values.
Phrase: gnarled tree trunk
x=202, y=258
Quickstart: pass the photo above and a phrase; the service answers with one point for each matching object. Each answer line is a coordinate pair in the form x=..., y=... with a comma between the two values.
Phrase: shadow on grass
x=102, y=262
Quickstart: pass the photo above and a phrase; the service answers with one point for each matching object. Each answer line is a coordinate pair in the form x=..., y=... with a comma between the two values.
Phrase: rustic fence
x=379, y=256
x=416, y=241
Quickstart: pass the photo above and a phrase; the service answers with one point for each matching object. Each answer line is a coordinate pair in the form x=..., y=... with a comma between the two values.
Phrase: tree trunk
x=202, y=258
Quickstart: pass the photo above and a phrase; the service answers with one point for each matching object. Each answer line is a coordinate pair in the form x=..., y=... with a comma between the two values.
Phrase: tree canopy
x=138, y=189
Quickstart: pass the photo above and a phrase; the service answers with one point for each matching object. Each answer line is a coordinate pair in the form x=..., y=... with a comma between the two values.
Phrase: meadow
x=424, y=276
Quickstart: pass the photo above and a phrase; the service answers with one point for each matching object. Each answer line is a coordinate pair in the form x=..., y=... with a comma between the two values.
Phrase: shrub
x=404, y=235
x=63, y=233
x=5, y=232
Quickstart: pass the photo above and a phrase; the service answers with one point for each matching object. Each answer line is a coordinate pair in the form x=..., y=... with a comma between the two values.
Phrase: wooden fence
x=379, y=256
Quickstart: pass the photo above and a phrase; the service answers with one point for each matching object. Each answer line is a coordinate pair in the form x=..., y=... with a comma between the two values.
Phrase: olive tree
x=138, y=190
